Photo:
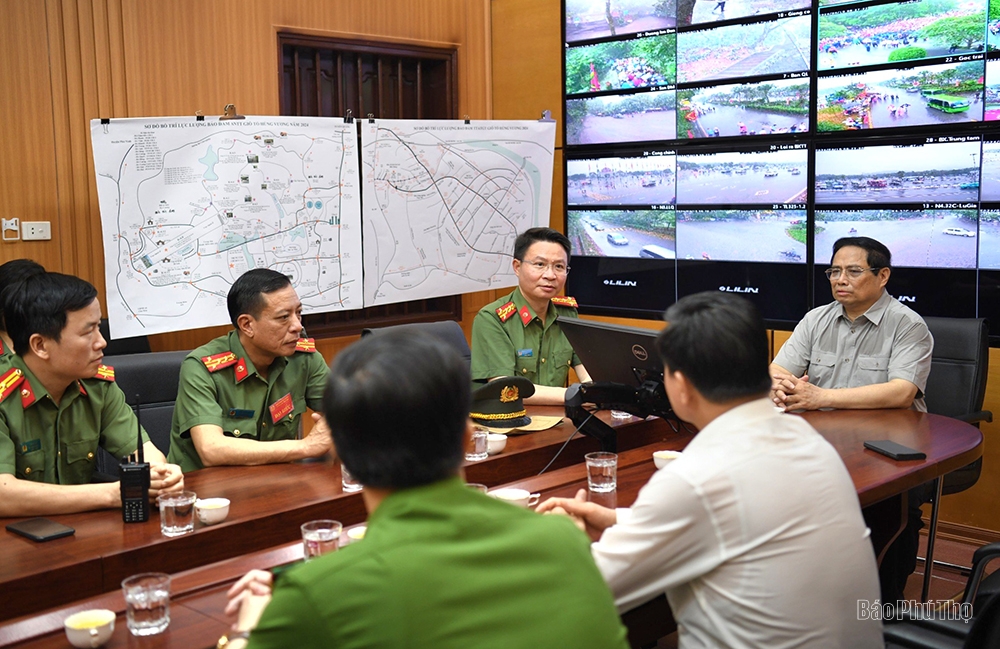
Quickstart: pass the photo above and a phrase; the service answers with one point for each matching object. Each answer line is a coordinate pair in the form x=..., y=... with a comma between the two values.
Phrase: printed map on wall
x=444, y=201
x=188, y=206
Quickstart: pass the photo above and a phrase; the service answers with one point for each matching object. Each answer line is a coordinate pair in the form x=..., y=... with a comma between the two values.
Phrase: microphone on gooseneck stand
x=135, y=479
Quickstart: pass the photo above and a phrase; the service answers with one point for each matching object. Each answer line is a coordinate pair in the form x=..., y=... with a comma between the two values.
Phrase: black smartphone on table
x=895, y=450
x=40, y=529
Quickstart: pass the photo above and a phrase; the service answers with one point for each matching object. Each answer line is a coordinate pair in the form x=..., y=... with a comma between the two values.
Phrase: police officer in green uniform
x=442, y=566
x=58, y=403
x=11, y=273
x=241, y=396
x=518, y=334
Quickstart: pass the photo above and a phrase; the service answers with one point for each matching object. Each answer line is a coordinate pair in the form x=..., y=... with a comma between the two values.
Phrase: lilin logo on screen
x=739, y=289
x=620, y=282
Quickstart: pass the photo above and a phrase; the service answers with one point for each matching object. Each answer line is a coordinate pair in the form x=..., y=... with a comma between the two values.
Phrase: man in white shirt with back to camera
x=731, y=531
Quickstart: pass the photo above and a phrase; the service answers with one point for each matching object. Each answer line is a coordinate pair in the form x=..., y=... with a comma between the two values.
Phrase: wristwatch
x=230, y=637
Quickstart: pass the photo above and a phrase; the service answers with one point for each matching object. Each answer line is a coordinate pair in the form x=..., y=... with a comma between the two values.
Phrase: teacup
x=520, y=497
x=212, y=510
x=355, y=534
x=495, y=443
x=663, y=458
x=90, y=628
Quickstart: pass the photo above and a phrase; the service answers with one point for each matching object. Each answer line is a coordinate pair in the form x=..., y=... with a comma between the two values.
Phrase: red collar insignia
x=105, y=372
x=305, y=345
x=525, y=314
x=9, y=381
x=241, y=370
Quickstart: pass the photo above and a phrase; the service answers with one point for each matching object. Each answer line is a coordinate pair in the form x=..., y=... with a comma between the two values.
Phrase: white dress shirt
x=755, y=535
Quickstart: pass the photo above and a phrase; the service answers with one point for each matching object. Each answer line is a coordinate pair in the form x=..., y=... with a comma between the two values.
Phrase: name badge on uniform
x=281, y=407
x=525, y=353
x=31, y=446
x=241, y=413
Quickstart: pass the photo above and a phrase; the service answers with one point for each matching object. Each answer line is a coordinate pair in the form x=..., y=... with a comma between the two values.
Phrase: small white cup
x=90, y=628
x=355, y=534
x=211, y=510
x=495, y=443
x=519, y=497
x=663, y=458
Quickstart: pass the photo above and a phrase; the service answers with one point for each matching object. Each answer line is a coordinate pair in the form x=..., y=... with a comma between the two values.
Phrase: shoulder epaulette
x=9, y=382
x=306, y=345
x=565, y=300
x=217, y=362
x=506, y=311
x=105, y=372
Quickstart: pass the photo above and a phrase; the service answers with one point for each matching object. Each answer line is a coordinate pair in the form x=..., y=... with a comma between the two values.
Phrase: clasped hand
x=791, y=393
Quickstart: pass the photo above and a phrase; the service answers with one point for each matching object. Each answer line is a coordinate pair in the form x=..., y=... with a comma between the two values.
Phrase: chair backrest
x=959, y=365
x=154, y=377
x=136, y=345
x=447, y=330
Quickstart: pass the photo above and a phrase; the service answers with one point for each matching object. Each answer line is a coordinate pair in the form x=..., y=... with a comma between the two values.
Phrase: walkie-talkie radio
x=135, y=480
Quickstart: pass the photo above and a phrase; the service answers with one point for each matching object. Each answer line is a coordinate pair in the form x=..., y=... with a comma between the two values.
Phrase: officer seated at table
x=58, y=403
x=11, y=273
x=241, y=396
x=518, y=334
x=441, y=565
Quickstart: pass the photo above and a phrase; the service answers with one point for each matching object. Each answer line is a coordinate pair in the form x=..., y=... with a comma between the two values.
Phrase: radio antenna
x=138, y=428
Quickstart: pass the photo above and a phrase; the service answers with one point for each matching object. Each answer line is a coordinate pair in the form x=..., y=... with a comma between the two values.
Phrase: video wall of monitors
x=725, y=145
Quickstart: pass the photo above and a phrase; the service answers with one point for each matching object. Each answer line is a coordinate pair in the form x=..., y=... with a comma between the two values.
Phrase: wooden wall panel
x=28, y=177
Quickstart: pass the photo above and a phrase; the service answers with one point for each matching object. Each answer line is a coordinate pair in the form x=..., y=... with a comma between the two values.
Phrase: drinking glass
x=347, y=481
x=320, y=537
x=147, y=601
x=478, y=448
x=602, y=471
x=176, y=512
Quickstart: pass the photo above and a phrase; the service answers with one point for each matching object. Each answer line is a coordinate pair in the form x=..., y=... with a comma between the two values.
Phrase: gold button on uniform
x=90, y=456
x=524, y=370
x=236, y=432
x=543, y=360
x=27, y=470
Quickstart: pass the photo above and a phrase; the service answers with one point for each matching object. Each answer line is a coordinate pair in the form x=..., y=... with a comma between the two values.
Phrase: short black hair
x=529, y=237
x=396, y=429
x=39, y=303
x=878, y=256
x=718, y=341
x=246, y=295
x=13, y=272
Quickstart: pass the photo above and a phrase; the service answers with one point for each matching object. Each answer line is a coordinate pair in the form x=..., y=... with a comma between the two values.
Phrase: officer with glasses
x=517, y=335
x=864, y=350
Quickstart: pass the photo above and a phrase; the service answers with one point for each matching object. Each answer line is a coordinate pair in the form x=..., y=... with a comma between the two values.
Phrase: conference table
x=43, y=583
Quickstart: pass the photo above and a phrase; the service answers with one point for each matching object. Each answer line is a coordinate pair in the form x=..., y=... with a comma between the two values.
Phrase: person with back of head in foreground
x=863, y=350
x=11, y=273
x=518, y=335
x=730, y=531
x=58, y=403
x=241, y=396
x=441, y=565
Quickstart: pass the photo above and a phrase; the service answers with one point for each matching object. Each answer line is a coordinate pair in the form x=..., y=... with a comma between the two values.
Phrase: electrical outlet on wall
x=36, y=231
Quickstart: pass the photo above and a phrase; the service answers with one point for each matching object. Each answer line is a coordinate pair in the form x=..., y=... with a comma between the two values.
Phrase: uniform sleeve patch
x=506, y=311
x=217, y=362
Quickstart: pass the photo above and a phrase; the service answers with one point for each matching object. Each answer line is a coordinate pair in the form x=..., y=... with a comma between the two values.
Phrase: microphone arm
x=650, y=398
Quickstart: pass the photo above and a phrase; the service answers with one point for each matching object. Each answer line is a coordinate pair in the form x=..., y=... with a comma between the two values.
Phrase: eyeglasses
x=853, y=272
x=540, y=267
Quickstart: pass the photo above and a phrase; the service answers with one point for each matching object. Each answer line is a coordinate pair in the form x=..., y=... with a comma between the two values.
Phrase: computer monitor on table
x=614, y=353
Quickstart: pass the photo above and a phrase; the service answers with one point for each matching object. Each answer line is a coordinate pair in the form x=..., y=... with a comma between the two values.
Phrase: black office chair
x=979, y=632
x=447, y=330
x=135, y=345
x=154, y=377
x=956, y=388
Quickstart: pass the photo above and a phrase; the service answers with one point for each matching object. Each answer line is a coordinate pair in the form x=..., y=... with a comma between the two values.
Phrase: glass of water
x=479, y=446
x=320, y=537
x=147, y=601
x=347, y=481
x=602, y=472
x=176, y=512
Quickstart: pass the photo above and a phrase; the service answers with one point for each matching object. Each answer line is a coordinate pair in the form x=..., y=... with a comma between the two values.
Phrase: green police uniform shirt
x=508, y=339
x=57, y=444
x=220, y=386
x=445, y=567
